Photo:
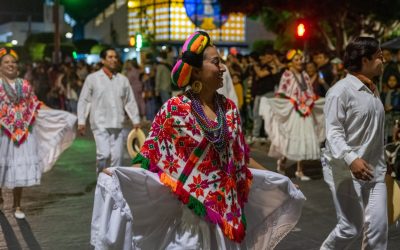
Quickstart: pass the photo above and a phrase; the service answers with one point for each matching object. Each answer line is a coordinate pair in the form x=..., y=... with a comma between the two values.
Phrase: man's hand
x=361, y=170
x=82, y=129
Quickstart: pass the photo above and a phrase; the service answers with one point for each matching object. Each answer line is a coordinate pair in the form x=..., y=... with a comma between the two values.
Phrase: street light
x=68, y=35
x=14, y=42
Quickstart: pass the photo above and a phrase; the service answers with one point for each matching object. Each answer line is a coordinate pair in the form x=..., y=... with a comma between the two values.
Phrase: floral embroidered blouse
x=16, y=119
x=214, y=185
x=302, y=97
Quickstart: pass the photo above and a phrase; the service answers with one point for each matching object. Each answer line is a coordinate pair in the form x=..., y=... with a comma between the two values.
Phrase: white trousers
x=360, y=208
x=109, y=147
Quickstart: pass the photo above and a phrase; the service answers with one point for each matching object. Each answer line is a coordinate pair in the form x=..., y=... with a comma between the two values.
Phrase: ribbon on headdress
x=7, y=51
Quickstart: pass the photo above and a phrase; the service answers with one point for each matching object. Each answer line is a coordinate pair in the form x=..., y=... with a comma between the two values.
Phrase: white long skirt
x=134, y=210
x=293, y=136
x=23, y=165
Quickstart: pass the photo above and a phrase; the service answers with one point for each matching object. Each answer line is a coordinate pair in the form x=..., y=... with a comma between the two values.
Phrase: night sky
x=19, y=10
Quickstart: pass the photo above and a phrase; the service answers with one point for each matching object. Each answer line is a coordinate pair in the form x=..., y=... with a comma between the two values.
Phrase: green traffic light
x=139, y=41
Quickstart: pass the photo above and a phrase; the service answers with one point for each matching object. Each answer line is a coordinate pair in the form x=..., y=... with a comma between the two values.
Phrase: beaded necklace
x=14, y=95
x=216, y=133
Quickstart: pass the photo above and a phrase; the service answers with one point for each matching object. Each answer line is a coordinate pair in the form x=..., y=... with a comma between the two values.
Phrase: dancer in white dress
x=30, y=139
x=294, y=118
x=194, y=190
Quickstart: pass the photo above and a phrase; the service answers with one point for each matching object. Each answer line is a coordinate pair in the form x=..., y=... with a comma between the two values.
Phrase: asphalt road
x=59, y=210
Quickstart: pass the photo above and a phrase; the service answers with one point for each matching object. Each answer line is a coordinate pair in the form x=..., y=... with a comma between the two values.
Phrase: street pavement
x=59, y=210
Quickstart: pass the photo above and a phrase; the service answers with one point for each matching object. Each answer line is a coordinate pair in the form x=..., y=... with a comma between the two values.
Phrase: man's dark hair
x=103, y=53
x=356, y=50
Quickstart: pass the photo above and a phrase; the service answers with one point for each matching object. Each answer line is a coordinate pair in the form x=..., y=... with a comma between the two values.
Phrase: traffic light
x=300, y=29
x=139, y=41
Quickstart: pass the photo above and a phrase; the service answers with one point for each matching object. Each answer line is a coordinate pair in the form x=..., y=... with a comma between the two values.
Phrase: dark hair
x=103, y=53
x=356, y=50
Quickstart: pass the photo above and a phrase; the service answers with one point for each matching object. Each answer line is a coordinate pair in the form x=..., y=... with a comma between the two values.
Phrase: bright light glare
x=68, y=35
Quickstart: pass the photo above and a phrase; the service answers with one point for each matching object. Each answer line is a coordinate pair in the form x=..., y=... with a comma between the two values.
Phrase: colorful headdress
x=291, y=53
x=192, y=56
x=7, y=51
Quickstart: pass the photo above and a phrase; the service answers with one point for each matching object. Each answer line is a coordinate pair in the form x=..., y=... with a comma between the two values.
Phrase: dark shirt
x=265, y=84
x=327, y=73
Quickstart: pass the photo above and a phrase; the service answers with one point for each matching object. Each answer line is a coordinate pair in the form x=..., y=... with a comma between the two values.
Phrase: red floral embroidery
x=198, y=186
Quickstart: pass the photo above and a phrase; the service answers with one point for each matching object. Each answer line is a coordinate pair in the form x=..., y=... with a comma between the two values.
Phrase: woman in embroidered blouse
x=25, y=148
x=294, y=121
x=197, y=149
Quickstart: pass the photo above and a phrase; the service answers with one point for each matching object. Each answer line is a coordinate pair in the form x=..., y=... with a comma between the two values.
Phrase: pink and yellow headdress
x=291, y=53
x=192, y=56
x=7, y=51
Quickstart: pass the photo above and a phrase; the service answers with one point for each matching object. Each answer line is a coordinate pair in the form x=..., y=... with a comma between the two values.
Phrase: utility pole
x=56, y=21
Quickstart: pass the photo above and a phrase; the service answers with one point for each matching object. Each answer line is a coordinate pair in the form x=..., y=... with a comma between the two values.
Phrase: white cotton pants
x=109, y=147
x=361, y=208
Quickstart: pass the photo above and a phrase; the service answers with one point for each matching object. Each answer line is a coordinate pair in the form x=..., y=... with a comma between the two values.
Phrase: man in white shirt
x=353, y=161
x=107, y=96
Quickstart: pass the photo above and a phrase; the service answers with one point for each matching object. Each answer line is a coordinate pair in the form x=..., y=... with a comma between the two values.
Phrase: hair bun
x=180, y=74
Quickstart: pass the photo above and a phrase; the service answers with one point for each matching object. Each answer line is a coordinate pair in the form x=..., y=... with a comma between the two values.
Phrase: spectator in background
x=312, y=72
x=325, y=72
x=265, y=80
x=163, y=78
x=237, y=84
x=132, y=70
x=392, y=106
x=389, y=66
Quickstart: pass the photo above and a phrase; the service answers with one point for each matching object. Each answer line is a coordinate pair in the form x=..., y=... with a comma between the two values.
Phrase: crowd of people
x=198, y=141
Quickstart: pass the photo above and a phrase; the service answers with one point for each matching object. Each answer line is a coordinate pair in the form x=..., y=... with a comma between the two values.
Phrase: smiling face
x=211, y=73
x=8, y=67
x=297, y=63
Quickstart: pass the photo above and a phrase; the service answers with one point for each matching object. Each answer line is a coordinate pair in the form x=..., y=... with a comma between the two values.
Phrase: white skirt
x=293, y=136
x=134, y=210
x=22, y=166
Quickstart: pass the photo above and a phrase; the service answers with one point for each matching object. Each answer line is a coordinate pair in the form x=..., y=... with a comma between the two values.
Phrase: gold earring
x=197, y=86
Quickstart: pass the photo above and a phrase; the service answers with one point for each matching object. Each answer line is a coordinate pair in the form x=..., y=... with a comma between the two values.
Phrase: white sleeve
x=335, y=114
x=85, y=99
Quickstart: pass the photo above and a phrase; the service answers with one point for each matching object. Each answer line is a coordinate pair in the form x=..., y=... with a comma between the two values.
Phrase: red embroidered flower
x=171, y=164
x=234, y=214
x=216, y=201
x=198, y=186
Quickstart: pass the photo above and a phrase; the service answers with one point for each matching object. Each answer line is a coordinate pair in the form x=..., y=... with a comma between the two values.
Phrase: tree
x=335, y=22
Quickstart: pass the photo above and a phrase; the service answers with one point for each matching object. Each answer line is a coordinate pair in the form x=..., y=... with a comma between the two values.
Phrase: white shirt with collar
x=354, y=118
x=107, y=100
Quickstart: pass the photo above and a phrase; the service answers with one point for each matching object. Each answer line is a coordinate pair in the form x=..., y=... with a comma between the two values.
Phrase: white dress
x=294, y=122
x=23, y=165
x=134, y=210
